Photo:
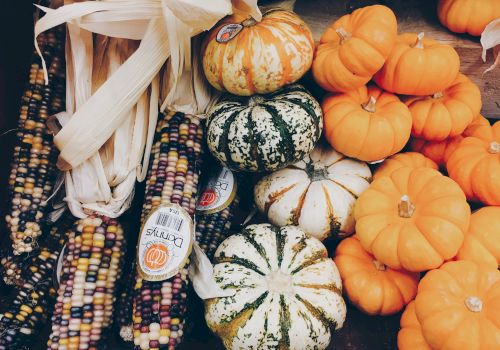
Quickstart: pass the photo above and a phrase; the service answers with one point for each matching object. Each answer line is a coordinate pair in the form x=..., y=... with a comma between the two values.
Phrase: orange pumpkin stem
x=406, y=208
x=474, y=304
x=494, y=148
x=370, y=105
x=379, y=266
x=344, y=35
x=419, y=44
x=438, y=94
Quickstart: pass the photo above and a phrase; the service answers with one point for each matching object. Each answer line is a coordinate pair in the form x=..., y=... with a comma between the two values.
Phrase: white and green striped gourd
x=264, y=132
x=317, y=194
x=288, y=293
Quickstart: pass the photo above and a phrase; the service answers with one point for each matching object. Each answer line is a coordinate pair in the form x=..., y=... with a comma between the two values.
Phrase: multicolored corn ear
x=125, y=301
x=160, y=307
x=91, y=266
x=33, y=301
x=33, y=171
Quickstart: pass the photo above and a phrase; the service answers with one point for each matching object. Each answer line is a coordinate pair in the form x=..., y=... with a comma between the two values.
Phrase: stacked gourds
x=409, y=220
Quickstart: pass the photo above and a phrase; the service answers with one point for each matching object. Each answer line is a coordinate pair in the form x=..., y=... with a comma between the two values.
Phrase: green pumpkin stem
x=370, y=105
x=406, y=207
x=419, y=44
x=344, y=35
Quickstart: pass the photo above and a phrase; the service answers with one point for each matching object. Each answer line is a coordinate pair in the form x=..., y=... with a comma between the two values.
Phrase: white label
x=228, y=32
x=218, y=194
x=165, y=243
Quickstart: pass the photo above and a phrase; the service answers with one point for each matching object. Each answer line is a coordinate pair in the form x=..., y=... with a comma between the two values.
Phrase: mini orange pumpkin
x=256, y=60
x=354, y=48
x=446, y=113
x=440, y=151
x=458, y=306
x=482, y=241
x=410, y=335
x=475, y=166
x=367, y=123
x=399, y=160
x=418, y=66
x=467, y=16
x=413, y=219
x=370, y=285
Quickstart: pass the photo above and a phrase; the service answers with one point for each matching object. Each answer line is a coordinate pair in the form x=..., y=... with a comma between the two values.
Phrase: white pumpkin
x=316, y=194
x=288, y=293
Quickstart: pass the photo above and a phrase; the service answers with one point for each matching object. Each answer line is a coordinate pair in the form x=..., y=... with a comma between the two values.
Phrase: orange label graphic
x=208, y=197
x=156, y=256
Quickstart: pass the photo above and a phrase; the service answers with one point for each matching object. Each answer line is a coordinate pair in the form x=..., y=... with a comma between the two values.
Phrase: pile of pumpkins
x=315, y=183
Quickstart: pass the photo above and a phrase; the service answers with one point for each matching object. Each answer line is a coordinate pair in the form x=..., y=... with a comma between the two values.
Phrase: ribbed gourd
x=287, y=292
x=264, y=132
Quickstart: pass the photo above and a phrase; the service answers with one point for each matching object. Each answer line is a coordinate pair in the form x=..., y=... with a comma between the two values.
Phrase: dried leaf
x=490, y=39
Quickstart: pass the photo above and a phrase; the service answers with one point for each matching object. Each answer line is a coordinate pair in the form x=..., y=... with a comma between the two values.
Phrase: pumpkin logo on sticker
x=228, y=32
x=165, y=243
x=218, y=193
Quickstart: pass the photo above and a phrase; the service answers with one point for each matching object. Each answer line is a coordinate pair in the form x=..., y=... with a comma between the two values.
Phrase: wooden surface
x=360, y=332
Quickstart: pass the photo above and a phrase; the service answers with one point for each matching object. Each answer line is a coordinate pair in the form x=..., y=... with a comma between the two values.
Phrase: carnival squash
x=457, y=306
x=367, y=123
x=440, y=151
x=245, y=57
x=264, y=132
x=418, y=66
x=446, y=113
x=482, y=241
x=414, y=219
x=400, y=160
x=287, y=292
x=370, y=285
x=467, y=16
x=475, y=166
x=410, y=335
x=354, y=48
x=317, y=194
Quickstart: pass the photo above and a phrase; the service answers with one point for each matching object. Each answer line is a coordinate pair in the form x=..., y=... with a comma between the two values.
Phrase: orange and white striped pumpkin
x=245, y=57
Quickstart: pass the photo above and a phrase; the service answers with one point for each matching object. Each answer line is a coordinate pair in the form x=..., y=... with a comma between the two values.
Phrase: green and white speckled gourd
x=264, y=132
x=288, y=293
x=317, y=194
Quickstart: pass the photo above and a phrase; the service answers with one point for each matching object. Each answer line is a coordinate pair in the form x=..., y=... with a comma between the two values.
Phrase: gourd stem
x=378, y=265
x=249, y=22
x=473, y=303
x=344, y=35
x=419, y=44
x=369, y=106
x=438, y=94
x=406, y=207
x=494, y=148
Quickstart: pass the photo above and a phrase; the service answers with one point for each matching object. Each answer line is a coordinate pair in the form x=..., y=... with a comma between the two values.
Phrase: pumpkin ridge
x=313, y=259
x=258, y=247
x=317, y=313
x=286, y=139
x=334, y=224
x=280, y=244
x=297, y=248
x=332, y=287
x=297, y=211
x=224, y=138
x=344, y=188
x=239, y=261
x=274, y=197
x=310, y=111
x=246, y=60
x=285, y=324
x=253, y=140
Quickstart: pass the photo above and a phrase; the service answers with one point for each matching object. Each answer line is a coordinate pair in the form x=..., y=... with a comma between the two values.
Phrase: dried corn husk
x=490, y=39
